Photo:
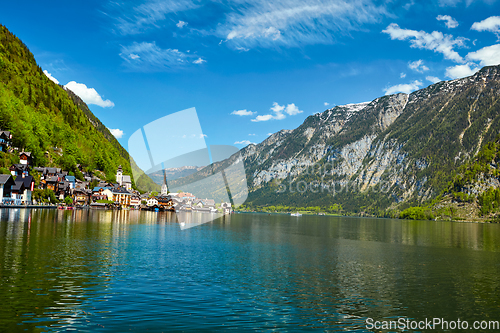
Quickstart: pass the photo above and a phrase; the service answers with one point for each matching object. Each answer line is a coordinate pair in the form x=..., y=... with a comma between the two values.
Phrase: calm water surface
x=105, y=271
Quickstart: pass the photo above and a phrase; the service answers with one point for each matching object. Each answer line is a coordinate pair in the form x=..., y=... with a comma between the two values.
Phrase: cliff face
x=395, y=149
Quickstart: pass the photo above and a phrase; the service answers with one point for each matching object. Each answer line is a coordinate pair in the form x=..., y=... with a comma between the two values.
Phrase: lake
x=117, y=271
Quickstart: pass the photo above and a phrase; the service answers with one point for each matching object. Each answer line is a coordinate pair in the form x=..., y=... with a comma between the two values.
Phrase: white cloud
x=53, y=79
x=181, y=24
x=292, y=109
x=404, y=88
x=146, y=16
x=326, y=103
x=148, y=57
x=460, y=71
x=449, y=21
x=435, y=41
x=241, y=48
x=492, y=24
x=199, y=61
x=88, y=95
x=244, y=142
x=263, y=118
x=269, y=134
x=294, y=22
x=418, y=66
x=487, y=56
x=402, y=75
x=244, y=112
x=117, y=133
x=432, y=79
x=279, y=112
x=252, y=134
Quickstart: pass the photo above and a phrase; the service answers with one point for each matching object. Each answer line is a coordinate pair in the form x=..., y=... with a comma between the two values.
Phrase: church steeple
x=164, y=187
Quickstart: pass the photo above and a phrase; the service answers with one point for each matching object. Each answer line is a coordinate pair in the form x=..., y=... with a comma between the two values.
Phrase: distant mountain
x=43, y=115
x=174, y=173
x=395, y=151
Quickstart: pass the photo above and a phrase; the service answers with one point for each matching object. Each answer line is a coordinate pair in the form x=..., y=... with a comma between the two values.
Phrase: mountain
x=44, y=118
x=390, y=153
x=174, y=173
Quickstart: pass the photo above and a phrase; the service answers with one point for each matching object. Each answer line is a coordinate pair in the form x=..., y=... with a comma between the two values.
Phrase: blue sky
x=249, y=67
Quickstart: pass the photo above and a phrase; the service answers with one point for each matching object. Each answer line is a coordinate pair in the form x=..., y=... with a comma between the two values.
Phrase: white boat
x=296, y=214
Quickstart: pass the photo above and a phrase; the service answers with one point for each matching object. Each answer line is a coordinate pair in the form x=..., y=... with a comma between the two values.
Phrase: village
x=67, y=192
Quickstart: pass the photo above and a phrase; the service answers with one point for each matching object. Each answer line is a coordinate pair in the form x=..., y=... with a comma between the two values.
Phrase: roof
x=27, y=153
x=5, y=179
x=126, y=179
x=70, y=178
x=118, y=190
x=97, y=188
x=18, y=186
x=27, y=181
x=20, y=167
x=52, y=179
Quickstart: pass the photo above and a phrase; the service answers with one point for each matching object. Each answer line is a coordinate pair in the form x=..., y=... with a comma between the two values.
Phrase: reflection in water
x=129, y=270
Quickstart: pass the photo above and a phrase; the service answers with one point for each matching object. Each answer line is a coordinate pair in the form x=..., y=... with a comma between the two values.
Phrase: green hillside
x=43, y=115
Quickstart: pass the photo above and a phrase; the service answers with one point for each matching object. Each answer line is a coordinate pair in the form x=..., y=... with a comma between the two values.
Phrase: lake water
x=119, y=271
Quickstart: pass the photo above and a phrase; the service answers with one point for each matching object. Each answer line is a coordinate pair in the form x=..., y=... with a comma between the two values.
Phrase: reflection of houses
x=123, y=180
x=6, y=183
x=5, y=139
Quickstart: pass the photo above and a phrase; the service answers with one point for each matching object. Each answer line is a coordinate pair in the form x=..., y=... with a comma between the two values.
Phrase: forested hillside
x=43, y=116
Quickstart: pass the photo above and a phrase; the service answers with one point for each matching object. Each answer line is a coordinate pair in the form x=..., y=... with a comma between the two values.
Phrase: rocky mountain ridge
x=395, y=150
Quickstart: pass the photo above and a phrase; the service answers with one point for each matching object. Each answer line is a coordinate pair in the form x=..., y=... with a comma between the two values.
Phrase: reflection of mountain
x=173, y=173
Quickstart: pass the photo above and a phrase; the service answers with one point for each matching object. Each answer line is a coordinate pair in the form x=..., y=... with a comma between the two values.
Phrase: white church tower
x=164, y=187
x=119, y=175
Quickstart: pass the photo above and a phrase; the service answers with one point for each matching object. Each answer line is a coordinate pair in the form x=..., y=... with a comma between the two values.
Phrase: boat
x=296, y=214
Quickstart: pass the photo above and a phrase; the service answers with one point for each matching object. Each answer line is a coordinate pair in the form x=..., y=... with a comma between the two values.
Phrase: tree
x=68, y=200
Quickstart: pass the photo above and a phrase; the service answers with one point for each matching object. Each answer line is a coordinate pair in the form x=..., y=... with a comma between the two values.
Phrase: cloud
x=88, y=95
x=418, y=66
x=294, y=22
x=252, y=134
x=244, y=142
x=404, y=88
x=326, y=104
x=139, y=19
x=292, y=109
x=53, y=79
x=449, y=21
x=432, y=79
x=460, y=71
x=199, y=61
x=269, y=134
x=148, y=57
x=402, y=75
x=487, y=56
x=181, y=24
x=117, y=133
x=244, y=112
x=279, y=112
x=492, y=24
x=435, y=41
x=263, y=118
